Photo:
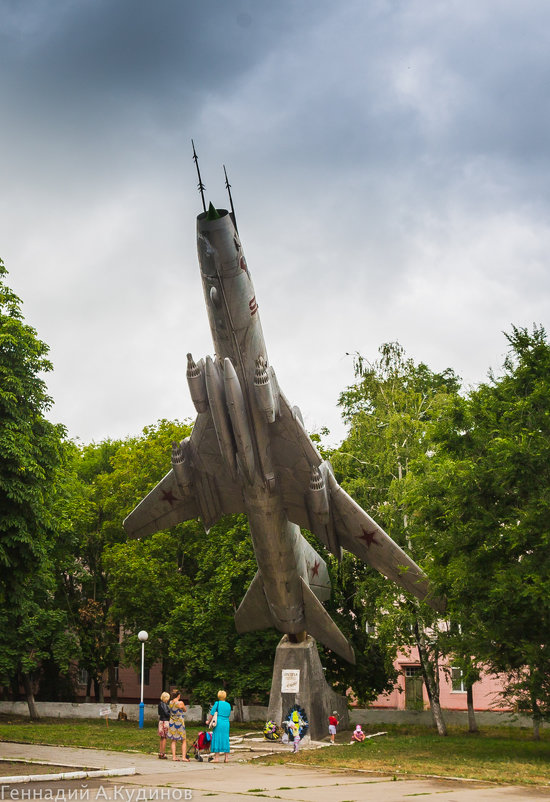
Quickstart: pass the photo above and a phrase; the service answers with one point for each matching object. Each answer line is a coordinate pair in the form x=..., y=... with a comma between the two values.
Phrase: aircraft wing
x=359, y=533
x=208, y=492
x=345, y=524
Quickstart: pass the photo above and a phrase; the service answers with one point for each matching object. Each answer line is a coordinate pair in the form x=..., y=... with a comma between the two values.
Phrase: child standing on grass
x=332, y=724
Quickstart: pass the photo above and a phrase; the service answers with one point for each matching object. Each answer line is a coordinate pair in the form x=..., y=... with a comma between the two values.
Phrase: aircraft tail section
x=253, y=612
x=320, y=625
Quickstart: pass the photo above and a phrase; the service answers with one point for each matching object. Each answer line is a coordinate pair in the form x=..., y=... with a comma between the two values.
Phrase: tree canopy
x=482, y=499
x=32, y=457
x=391, y=410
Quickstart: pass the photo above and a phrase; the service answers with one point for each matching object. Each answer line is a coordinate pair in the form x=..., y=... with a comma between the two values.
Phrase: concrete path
x=239, y=780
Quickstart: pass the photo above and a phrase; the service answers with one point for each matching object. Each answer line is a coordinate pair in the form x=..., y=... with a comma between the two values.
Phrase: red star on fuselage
x=315, y=569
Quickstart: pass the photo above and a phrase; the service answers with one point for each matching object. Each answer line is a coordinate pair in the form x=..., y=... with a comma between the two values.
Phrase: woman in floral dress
x=176, y=726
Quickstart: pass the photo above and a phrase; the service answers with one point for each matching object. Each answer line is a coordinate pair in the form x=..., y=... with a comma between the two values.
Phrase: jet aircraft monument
x=250, y=453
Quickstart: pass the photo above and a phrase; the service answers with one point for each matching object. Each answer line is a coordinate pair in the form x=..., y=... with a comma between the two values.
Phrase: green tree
x=182, y=585
x=203, y=640
x=391, y=410
x=148, y=579
x=32, y=452
x=373, y=673
x=111, y=478
x=485, y=492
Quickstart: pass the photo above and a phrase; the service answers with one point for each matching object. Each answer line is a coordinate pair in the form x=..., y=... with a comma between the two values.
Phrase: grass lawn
x=12, y=769
x=121, y=736
x=497, y=754
x=503, y=755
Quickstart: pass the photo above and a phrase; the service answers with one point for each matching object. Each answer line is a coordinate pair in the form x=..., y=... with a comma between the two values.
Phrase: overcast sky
x=389, y=162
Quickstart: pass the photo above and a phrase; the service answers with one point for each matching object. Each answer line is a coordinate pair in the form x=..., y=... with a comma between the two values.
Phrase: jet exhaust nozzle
x=180, y=465
x=317, y=496
x=220, y=417
x=239, y=419
x=197, y=384
x=264, y=390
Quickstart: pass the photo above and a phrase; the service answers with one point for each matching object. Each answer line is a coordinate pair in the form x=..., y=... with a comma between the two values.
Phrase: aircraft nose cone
x=212, y=213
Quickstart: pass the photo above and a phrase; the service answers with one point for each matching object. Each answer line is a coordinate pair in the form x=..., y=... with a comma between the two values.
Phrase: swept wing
x=203, y=488
x=340, y=523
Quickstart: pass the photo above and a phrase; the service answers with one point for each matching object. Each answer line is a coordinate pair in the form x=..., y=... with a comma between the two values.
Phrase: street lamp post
x=142, y=636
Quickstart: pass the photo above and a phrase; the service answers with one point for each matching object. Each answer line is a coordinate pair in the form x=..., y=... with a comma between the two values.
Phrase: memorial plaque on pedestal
x=299, y=679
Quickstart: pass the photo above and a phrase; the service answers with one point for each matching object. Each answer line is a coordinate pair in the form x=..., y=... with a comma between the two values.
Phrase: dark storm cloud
x=97, y=52
x=89, y=85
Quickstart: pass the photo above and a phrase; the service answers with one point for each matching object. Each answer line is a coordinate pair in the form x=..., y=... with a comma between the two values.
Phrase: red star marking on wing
x=315, y=569
x=168, y=496
x=368, y=537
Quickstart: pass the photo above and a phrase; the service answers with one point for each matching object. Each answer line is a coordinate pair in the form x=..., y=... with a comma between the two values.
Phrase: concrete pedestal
x=312, y=693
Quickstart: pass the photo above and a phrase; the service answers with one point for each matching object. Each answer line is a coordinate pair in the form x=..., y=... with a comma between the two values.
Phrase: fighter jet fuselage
x=247, y=405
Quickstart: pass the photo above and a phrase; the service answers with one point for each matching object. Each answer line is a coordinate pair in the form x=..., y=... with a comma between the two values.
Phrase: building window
x=82, y=676
x=115, y=676
x=146, y=674
x=370, y=629
x=457, y=680
x=413, y=671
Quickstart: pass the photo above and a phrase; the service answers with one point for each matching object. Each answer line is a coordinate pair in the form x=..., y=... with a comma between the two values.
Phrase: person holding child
x=176, y=726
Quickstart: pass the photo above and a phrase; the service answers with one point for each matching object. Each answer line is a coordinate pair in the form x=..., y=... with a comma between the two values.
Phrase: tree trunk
x=88, y=697
x=536, y=717
x=98, y=690
x=472, y=723
x=432, y=687
x=238, y=712
x=29, y=694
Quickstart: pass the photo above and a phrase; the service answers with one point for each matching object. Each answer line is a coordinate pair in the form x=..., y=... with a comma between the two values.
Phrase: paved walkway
x=240, y=780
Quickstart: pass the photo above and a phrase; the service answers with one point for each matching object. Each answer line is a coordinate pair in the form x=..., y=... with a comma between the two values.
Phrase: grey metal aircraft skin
x=250, y=453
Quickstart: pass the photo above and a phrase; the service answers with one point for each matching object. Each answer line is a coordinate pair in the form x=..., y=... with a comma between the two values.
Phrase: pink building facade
x=410, y=692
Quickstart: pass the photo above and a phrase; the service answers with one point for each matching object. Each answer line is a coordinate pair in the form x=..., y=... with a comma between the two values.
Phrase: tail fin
x=320, y=625
x=253, y=612
x=317, y=571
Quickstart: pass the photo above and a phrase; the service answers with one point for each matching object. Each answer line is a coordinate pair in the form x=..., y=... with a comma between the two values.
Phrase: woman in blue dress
x=220, y=733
